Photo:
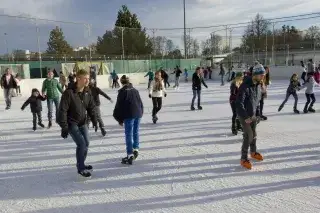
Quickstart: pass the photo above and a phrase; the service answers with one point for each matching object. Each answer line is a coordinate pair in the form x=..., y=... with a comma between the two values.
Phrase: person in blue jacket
x=128, y=112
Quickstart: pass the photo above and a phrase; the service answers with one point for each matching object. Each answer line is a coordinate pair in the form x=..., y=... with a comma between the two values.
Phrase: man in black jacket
x=75, y=103
x=129, y=111
x=8, y=84
x=197, y=80
x=247, y=104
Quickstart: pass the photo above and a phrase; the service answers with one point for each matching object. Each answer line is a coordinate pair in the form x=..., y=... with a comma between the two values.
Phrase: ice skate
x=311, y=110
x=246, y=164
x=263, y=118
x=257, y=156
x=296, y=111
x=192, y=108
x=89, y=168
x=84, y=174
x=199, y=107
x=234, y=129
x=128, y=160
x=135, y=153
x=103, y=131
x=41, y=124
x=49, y=124
x=154, y=119
x=34, y=128
x=280, y=108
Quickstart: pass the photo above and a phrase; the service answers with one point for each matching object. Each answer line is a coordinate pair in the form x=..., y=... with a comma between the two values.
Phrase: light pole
x=184, y=29
x=6, y=43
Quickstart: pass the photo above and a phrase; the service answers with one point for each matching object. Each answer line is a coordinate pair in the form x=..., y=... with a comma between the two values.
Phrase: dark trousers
x=18, y=90
x=166, y=81
x=149, y=83
x=195, y=94
x=80, y=136
x=115, y=83
x=311, y=99
x=249, y=138
x=295, y=96
x=99, y=117
x=261, y=104
x=157, y=104
x=36, y=116
x=235, y=120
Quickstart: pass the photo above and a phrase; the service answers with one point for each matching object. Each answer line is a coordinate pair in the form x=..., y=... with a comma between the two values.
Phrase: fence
x=136, y=50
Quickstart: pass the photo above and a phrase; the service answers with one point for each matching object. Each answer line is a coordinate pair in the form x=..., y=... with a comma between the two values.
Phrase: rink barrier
x=104, y=81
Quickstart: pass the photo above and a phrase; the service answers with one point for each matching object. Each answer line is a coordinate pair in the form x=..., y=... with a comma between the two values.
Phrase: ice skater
x=95, y=92
x=76, y=103
x=292, y=89
x=234, y=88
x=177, y=71
x=264, y=86
x=247, y=103
x=311, y=99
x=197, y=80
x=150, y=74
x=35, y=101
x=156, y=92
x=128, y=112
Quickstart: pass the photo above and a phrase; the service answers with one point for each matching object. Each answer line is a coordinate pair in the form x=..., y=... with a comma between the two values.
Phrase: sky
x=164, y=14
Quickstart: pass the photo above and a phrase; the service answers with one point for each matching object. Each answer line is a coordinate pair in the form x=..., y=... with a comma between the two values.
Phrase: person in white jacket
x=156, y=92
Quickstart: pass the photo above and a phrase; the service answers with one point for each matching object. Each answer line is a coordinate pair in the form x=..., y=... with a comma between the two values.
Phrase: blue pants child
x=131, y=127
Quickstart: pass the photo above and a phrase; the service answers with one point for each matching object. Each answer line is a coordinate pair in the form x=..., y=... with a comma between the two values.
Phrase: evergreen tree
x=57, y=44
x=127, y=32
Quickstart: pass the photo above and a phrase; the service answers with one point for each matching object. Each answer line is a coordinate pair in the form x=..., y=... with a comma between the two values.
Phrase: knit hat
x=258, y=70
x=124, y=79
x=239, y=75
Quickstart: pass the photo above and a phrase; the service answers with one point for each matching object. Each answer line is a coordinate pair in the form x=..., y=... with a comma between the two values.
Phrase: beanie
x=258, y=70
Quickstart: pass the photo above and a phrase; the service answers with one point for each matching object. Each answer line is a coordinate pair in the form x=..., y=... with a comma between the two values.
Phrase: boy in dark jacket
x=128, y=112
x=197, y=80
x=36, y=107
x=247, y=104
x=76, y=102
x=95, y=92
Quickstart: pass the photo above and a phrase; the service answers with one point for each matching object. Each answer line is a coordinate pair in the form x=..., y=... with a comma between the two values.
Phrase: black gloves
x=165, y=94
x=64, y=133
x=149, y=95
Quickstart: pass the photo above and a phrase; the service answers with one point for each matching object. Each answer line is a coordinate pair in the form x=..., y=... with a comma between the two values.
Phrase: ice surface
x=189, y=161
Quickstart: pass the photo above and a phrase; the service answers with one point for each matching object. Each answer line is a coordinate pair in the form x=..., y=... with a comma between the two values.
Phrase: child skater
x=128, y=112
x=293, y=87
x=309, y=85
x=36, y=107
x=264, y=85
x=156, y=92
x=96, y=91
x=234, y=88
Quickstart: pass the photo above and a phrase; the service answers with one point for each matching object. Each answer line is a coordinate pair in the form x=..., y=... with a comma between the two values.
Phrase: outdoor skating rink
x=189, y=161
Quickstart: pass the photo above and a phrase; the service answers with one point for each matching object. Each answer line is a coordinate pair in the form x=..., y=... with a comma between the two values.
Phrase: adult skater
x=150, y=74
x=128, y=112
x=293, y=87
x=8, y=84
x=197, y=80
x=51, y=89
x=177, y=71
x=247, y=104
x=96, y=92
x=76, y=102
x=234, y=88
x=264, y=86
x=165, y=77
x=222, y=73
x=156, y=92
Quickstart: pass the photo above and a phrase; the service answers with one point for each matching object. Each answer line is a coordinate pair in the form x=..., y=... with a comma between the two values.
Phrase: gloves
x=64, y=133
x=165, y=94
x=149, y=95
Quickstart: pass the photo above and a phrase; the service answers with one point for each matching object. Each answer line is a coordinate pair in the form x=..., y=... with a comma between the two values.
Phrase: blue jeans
x=131, y=128
x=195, y=94
x=50, y=102
x=80, y=136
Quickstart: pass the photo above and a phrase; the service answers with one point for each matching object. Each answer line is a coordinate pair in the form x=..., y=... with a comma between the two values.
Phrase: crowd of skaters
x=80, y=104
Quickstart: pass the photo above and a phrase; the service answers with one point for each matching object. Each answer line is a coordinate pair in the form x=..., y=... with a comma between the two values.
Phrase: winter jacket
x=157, y=93
x=151, y=75
x=8, y=85
x=247, y=101
x=177, y=72
x=293, y=86
x=95, y=92
x=164, y=75
x=71, y=78
x=197, y=80
x=310, y=67
x=233, y=92
x=129, y=104
x=35, y=103
x=317, y=77
x=52, y=88
x=74, y=107
x=309, y=85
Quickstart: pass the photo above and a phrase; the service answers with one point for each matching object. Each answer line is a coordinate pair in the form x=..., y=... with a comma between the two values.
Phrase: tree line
x=129, y=38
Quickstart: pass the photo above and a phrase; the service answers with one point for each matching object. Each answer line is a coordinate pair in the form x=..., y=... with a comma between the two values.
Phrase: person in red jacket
x=317, y=75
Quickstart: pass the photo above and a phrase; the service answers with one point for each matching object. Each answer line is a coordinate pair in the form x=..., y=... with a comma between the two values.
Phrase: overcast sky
x=101, y=14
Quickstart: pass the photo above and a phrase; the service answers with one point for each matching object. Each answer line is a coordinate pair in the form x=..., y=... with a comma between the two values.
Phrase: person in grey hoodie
x=311, y=99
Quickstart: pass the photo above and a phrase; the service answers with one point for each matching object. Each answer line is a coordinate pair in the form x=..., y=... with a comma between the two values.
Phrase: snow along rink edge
x=189, y=161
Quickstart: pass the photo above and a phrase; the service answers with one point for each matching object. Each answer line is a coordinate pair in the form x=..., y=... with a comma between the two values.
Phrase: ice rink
x=189, y=161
